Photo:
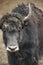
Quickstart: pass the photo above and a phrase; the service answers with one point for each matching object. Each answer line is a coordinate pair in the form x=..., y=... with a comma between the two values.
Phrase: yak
x=20, y=34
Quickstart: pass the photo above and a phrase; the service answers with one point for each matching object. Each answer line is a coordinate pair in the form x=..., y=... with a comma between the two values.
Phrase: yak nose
x=12, y=48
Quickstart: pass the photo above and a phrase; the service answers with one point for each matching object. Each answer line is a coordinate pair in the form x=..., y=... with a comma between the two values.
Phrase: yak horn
x=30, y=12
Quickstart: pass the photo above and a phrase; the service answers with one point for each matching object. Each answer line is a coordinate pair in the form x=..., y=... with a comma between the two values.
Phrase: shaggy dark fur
x=22, y=9
x=28, y=35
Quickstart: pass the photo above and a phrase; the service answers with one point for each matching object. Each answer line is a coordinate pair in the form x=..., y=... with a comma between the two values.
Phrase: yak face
x=11, y=35
x=11, y=31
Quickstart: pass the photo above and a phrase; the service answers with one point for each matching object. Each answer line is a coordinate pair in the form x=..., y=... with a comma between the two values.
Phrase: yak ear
x=2, y=19
x=1, y=22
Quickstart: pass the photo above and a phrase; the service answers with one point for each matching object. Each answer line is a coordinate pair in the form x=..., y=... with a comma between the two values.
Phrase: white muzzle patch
x=13, y=48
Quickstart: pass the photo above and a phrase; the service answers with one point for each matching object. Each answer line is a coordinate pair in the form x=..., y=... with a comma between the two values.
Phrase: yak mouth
x=12, y=48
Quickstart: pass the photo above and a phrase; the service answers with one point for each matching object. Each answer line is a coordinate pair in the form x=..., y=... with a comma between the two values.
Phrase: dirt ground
x=7, y=6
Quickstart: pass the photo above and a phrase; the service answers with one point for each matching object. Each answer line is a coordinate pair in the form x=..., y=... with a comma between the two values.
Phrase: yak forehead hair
x=11, y=16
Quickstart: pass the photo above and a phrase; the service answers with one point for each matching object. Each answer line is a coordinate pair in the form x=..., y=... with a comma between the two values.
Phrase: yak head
x=17, y=30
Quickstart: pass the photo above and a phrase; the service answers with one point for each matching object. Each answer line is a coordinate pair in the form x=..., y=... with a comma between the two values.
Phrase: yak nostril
x=12, y=48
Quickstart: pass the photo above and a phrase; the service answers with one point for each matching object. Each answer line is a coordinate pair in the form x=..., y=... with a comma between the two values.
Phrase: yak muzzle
x=12, y=48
